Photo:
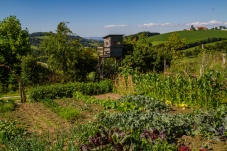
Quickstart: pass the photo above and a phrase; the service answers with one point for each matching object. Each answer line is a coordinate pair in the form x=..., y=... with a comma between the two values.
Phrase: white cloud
x=166, y=24
x=212, y=22
x=149, y=25
x=155, y=24
x=225, y=23
x=114, y=26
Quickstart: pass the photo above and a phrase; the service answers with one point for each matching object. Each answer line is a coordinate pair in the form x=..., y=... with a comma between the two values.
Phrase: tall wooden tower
x=112, y=48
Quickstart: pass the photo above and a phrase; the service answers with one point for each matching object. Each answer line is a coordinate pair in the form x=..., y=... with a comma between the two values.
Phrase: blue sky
x=102, y=17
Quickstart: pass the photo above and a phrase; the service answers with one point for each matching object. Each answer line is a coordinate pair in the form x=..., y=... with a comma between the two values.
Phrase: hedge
x=66, y=90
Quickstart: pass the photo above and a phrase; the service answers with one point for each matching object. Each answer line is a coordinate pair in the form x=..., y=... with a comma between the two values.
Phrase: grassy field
x=191, y=36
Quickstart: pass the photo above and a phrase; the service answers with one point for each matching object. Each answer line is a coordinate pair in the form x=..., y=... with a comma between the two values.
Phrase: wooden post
x=21, y=89
x=164, y=65
x=223, y=61
x=203, y=61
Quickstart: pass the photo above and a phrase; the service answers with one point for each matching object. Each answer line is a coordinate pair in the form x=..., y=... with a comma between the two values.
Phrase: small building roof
x=113, y=35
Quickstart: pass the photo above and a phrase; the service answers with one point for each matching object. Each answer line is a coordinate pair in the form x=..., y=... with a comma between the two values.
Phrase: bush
x=34, y=72
x=66, y=90
x=7, y=105
x=9, y=131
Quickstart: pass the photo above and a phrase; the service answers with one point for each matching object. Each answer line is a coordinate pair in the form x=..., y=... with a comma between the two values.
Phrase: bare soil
x=197, y=142
x=37, y=118
x=112, y=96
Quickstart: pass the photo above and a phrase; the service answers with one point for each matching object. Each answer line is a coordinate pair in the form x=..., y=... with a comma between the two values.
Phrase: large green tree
x=173, y=46
x=144, y=56
x=14, y=44
x=62, y=51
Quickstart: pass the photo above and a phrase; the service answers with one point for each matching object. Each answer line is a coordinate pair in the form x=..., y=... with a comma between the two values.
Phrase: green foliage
x=207, y=91
x=193, y=28
x=62, y=52
x=125, y=103
x=67, y=113
x=66, y=56
x=115, y=139
x=90, y=77
x=144, y=57
x=1, y=89
x=13, y=41
x=9, y=131
x=218, y=47
x=86, y=61
x=7, y=105
x=14, y=44
x=211, y=122
x=152, y=128
x=39, y=142
x=66, y=90
x=106, y=103
x=33, y=72
x=190, y=36
x=173, y=45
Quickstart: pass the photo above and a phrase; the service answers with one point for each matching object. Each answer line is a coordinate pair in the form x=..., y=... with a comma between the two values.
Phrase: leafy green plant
x=7, y=105
x=206, y=123
x=41, y=142
x=107, y=103
x=8, y=131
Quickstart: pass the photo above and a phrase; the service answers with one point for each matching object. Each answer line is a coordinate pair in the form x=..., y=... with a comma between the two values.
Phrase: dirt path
x=108, y=95
x=37, y=118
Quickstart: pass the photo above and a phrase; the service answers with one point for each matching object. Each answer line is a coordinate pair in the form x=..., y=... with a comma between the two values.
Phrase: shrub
x=66, y=90
x=7, y=105
x=9, y=131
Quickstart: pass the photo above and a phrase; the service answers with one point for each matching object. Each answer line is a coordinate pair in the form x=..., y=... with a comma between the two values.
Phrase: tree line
x=66, y=59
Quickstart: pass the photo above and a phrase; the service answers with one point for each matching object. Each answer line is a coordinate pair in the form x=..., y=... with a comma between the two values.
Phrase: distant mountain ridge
x=37, y=37
x=95, y=38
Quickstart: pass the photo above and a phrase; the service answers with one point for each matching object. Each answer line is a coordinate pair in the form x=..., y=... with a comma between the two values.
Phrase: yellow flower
x=168, y=102
x=183, y=105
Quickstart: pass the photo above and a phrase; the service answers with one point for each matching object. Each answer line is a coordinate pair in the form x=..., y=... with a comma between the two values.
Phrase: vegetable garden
x=150, y=111
x=142, y=120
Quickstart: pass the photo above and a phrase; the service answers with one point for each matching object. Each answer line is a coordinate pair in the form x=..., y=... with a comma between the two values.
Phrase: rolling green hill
x=37, y=37
x=191, y=36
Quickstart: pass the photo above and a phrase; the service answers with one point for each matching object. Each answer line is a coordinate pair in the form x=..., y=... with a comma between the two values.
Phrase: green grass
x=34, y=47
x=42, y=37
x=206, y=45
x=191, y=36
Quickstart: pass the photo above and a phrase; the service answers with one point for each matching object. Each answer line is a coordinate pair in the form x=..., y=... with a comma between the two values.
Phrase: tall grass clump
x=123, y=84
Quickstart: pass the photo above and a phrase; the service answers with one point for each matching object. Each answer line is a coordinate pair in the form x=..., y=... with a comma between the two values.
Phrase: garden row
x=209, y=90
x=150, y=126
x=66, y=90
x=140, y=123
